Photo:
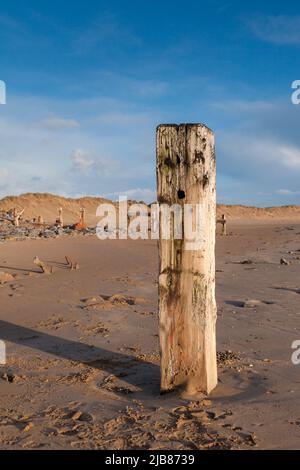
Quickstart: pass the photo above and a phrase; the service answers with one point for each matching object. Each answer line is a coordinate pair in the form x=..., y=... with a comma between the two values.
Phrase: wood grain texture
x=186, y=174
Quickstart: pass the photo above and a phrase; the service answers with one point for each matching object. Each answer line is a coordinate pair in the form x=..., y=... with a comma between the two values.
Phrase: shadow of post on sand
x=138, y=372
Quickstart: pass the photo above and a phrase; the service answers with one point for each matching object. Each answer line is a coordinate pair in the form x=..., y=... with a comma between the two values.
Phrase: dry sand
x=83, y=367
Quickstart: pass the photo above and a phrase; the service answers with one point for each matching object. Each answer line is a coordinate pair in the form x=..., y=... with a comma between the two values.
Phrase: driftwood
x=186, y=174
x=44, y=268
x=71, y=264
x=17, y=216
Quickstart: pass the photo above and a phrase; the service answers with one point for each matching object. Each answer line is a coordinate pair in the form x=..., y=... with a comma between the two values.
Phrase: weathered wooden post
x=224, y=225
x=60, y=221
x=82, y=216
x=17, y=216
x=81, y=224
x=186, y=174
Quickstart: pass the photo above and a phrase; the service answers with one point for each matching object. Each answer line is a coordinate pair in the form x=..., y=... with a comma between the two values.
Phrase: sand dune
x=46, y=205
x=239, y=212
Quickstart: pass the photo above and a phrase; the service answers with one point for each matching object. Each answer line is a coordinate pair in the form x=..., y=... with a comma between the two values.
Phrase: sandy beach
x=149, y=231
x=82, y=366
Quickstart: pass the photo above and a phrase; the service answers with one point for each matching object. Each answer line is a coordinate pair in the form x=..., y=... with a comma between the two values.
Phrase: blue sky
x=88, y=82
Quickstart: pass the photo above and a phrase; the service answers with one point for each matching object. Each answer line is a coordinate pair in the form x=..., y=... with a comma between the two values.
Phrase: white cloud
x=118, y=118
x=148, y=87
x=3, y=175
x=108, y=151
x=291, y=157
x=287, y=192
x=146, y=194
x=262, y=153
x=243, y=106
x=277, y=29
x=56, y=123
x=253, y=153
x=86, y=164
x=81, y=162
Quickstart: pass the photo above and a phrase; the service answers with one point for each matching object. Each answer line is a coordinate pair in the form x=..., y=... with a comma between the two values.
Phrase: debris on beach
x=5, y=277
x=71, y=264
x=227, y=357
x=13, y=226
x=45, y=269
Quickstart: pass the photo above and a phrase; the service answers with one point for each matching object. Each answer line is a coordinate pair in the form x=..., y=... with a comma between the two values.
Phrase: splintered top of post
x=186, y=125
